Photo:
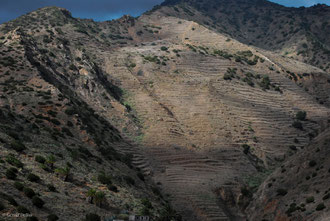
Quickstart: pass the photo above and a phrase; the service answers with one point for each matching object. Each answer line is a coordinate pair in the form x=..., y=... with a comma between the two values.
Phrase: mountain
x=160, y=115
x=301, y=33
x=58, y=146
x=297, y=189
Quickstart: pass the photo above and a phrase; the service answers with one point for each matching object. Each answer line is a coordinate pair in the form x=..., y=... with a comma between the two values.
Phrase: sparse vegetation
x=281, y=192
x=96, y=197
x=52, y=217
x=33, y=178
x=51, y=188
x=230, y=74
x=265, y=83
x=40, y=159
x=146, y=207
x=104, y=179
x=87, y=125
x=38, y=202
x=163, y=48
x=29, y=192
x=19, y=186
x=129, y=180
x=92, y=217
x=63, y=172
x=18, y=146
x=320, y=206
x=11, y=173
x=2, y=207
x=246, y=148
x=312, y=163
x=22, y=209
x=298, y=125
x=310, y=199
x=301, y=115
x=14, y=161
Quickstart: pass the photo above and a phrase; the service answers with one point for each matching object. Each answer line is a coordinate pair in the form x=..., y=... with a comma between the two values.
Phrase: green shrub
x=112, y=188
x=156, y=191
x=33, y=178
x=70, y=111
x=13, y=161
x=281, y=192
x=327, y=196
x=67, y=131
x=64, y=172
x=29, y=192
x=38, y=202
x=51, y=188
x=277, y=88
x=99, y=198
x=312, y=163
x=246, y=192
x=22, y=209
x=40, y=159
x=265, y=83
x=31, y=218
x=92, y=217
x=69, y=124
x=320, y=206
x=293, y=147
x=104, y=179
x=133, y=65
x=228, y=76
x=310, y=199
x=298, y=125
x=52, y=217
x=140, y=175
x=144, y=211
x=246, y=148
x=19, y=186
x=10, y=199
x=301, y=115
x=248, y=81
x=163, y=48
x=55, y=121
x=293, y=207
x=50, y=161
x=129, y=180
x=11, y=173
x=13, y=135
x=145, y=202
x=147, y=206
x=18, y=146
x=2, y=207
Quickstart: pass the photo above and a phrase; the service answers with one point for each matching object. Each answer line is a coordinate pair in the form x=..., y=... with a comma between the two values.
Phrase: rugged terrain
x=158, y=109
x=301, y=33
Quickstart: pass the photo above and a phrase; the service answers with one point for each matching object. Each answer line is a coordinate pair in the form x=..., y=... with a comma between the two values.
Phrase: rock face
x=153, y=110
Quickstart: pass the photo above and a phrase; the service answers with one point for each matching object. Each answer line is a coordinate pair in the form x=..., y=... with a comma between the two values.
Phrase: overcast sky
x=101, y=10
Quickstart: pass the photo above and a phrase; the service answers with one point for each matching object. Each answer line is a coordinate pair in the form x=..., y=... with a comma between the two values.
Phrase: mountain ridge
x=256, y=24
x=167, y=108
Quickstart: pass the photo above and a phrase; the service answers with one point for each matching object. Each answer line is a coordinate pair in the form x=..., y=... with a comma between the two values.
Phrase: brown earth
x=200, y=114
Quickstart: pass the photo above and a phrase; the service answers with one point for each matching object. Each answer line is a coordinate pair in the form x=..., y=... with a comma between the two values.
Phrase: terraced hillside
x=201, y=115
x=301, y=33
x=197, y=120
